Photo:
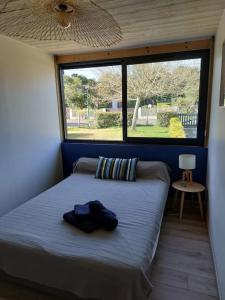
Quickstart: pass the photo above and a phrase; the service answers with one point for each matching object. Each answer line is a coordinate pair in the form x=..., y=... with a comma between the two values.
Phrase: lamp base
x=187, y=176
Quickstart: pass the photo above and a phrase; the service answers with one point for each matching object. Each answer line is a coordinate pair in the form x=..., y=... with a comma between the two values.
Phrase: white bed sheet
x=37, y=245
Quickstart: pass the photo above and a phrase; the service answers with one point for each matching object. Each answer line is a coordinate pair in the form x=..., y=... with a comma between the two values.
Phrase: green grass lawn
x=115, y=133
x=149, y=131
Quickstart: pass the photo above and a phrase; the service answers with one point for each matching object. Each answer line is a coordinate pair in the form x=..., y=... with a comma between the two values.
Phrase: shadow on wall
x=38, y=177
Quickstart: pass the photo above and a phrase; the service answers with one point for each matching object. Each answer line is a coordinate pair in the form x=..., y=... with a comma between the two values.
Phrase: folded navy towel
x=82, y=212
x=91, y=216
x=96, y=206
x=103, y=216
x=86, y=225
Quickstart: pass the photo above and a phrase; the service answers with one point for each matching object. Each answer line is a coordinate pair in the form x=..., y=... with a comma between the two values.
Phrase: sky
x=94, y=72
x=90, y=73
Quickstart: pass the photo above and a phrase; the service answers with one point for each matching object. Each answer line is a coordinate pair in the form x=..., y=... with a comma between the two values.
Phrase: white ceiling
x=147, y=22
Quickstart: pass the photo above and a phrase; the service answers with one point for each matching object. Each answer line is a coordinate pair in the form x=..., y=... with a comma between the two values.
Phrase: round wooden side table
x=185, y=187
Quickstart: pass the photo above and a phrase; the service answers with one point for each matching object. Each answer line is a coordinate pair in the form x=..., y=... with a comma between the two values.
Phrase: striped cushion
x=116, y=168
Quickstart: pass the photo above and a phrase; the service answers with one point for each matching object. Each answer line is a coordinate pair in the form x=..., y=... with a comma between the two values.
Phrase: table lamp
x=187, y=162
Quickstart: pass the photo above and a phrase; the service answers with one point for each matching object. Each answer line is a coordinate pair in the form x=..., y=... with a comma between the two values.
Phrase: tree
x=77, y=90
x=108, y=86
x=73, y=91
x=158, y=80
x=146, y=81
x=188, y=78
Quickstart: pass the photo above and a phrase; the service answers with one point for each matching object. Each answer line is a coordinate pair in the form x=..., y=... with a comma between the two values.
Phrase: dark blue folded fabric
x=103, y=216
x=91, y=216
x=82, y=212
x=86, y=225
x=96, y=207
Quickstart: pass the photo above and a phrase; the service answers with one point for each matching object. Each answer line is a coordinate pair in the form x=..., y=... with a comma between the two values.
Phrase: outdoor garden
x=162, y=101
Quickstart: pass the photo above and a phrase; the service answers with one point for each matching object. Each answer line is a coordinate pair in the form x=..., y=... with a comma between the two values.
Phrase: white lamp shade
x=187, y=161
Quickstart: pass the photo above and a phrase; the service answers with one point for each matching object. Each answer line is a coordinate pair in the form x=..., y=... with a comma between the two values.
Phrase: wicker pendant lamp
x=82, y=21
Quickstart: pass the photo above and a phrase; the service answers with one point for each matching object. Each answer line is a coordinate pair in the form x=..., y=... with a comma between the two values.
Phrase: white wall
x=30, y=160
x=216, y=166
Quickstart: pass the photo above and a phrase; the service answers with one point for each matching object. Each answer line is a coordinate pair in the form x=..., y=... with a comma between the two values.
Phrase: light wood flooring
x=183, y=267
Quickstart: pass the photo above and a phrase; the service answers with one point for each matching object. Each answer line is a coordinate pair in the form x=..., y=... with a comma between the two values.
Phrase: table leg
x=200, y=205
x=175, y=199
x=192, y=199
x=182, y=204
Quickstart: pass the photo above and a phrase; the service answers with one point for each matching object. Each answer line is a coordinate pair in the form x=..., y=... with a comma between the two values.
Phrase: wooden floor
x=183, y=267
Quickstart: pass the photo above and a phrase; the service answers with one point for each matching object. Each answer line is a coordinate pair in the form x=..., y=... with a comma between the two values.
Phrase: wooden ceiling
x=149, y=22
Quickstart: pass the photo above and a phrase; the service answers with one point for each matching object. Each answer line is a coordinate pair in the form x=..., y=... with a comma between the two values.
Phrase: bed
x=38, y=246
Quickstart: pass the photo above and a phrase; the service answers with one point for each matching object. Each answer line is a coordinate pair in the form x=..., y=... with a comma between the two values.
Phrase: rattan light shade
x=82, y=21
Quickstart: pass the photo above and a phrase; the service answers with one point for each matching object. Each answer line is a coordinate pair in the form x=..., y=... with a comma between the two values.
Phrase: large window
x=158, y=99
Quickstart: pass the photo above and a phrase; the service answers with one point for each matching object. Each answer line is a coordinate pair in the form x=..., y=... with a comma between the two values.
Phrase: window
x=157, y=99
x=93, y=98
x=163, y=99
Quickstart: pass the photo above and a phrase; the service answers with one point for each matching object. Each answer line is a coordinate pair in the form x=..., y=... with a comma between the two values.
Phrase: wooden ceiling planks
x=149, y=22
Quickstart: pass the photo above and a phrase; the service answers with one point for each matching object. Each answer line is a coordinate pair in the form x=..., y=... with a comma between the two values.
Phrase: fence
x=188, y=120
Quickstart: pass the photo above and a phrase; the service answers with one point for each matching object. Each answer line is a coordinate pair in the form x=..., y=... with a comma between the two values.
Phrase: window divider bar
x=124, y=101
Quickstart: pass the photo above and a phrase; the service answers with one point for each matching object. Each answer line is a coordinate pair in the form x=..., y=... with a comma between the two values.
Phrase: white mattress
x=37, y=245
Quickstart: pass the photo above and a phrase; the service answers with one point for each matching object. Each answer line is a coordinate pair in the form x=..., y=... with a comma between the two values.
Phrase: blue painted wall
x=168, y=154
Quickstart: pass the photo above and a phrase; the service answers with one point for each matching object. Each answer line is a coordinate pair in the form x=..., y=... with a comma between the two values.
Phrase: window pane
x=163, y=99
x=93, y=103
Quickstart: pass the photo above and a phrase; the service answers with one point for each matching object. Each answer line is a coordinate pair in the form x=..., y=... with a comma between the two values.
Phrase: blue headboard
x=168, y=154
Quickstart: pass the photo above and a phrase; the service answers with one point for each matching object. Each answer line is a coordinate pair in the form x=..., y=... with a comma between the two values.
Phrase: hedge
x=107, y=119
x=176, y=129
x=112, y=119
x=129, y=119
x=164, y=118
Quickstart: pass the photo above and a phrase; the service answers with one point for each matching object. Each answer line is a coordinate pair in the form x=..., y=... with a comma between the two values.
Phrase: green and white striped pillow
x=116, y=168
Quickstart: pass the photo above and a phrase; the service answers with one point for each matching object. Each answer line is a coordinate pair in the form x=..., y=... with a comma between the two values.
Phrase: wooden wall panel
x=104, y=55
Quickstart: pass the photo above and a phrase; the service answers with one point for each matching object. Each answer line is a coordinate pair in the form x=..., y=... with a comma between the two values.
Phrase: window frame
x=204, y=55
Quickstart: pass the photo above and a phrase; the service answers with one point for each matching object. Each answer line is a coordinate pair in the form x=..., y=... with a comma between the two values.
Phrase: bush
x=112, y=119
x=176, y=129
x=164, y=118
x=108, y=119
